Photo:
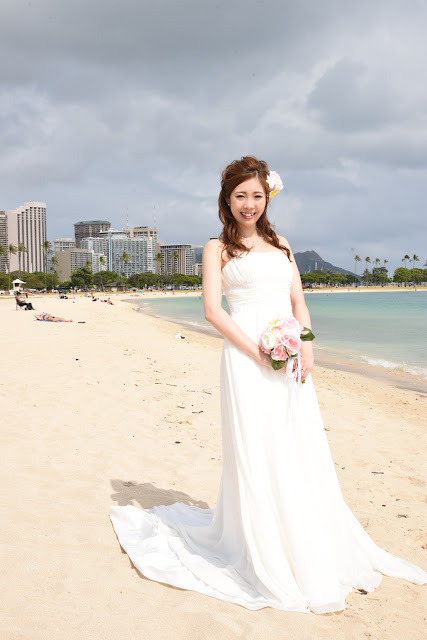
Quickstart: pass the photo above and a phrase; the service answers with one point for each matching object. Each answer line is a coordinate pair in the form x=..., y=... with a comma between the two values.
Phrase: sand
x=119, y=411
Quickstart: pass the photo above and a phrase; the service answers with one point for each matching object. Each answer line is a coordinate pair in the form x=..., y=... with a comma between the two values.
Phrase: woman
x=47, y=317
x=21, y=303
x=281, y=534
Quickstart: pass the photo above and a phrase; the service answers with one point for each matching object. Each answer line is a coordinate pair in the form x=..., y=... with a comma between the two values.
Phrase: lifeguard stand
x=16, y=285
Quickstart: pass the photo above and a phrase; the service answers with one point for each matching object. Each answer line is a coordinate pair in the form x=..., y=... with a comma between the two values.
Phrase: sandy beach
x=113, y=409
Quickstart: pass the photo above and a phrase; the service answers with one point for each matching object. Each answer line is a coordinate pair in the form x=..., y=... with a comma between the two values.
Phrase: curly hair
x=234, y=174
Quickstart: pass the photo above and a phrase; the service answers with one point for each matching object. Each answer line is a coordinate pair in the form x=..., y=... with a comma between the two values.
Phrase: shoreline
x=148, y=295
x=323, y=357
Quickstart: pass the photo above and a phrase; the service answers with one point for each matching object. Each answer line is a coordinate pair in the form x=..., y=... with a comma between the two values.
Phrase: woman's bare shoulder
x=213, y=243
x=214, y=247
x=284, y=241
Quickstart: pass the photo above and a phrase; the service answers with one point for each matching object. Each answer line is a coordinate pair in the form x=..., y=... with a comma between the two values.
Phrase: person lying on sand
x=47, y=317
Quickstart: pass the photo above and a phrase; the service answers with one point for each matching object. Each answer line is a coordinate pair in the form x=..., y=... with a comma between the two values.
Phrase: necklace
x=249, y=242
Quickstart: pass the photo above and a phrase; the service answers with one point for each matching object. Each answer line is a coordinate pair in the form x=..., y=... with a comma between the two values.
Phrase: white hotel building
x=27, y=225
x=113, y=243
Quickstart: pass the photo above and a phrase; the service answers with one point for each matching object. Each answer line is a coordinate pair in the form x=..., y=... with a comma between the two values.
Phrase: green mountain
x=308, y=261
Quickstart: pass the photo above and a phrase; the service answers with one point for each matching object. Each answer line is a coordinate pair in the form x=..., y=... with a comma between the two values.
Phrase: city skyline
x=56, y=242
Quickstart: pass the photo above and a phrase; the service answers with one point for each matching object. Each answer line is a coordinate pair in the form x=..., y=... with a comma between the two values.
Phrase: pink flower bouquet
x=282, y=340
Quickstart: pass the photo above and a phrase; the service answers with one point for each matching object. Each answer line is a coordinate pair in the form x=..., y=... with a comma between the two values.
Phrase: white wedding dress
x=281, y=534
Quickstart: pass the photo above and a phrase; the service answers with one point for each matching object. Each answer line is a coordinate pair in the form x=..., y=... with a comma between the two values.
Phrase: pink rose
x=279, y=353
x=290, y=325
x=292, y=344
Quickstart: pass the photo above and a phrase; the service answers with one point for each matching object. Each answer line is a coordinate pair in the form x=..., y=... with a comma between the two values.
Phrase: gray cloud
x=107, y=106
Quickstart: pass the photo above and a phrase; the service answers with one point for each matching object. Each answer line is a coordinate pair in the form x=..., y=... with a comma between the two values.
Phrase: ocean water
x=386, y=329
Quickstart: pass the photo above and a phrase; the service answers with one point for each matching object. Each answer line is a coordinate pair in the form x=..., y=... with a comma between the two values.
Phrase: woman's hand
x=307, y=359
x=263, y=359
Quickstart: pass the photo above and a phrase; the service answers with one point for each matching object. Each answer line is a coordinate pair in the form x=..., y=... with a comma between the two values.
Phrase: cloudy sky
x=134, y=105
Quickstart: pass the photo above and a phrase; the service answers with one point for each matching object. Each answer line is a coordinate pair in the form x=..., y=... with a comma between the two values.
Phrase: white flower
x=269, y=340
x=275, y=183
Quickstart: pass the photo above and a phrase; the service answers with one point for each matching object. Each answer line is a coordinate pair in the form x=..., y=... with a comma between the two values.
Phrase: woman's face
x=247, y=203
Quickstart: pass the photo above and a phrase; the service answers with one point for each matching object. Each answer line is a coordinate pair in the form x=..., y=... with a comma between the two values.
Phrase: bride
x=281, y=534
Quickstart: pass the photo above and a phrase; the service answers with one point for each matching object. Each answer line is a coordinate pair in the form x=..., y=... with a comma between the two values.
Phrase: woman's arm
x=215, y=314
x=301, y=313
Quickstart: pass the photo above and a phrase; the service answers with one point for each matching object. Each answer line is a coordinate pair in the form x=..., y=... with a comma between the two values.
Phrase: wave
x=387, y=364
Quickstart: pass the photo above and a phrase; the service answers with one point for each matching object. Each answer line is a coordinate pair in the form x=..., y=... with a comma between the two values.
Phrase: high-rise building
x=197, y=253
x=183, y=263
x=72, y=259
x=197, y=269
x=89, y=229
x=62, y=244
x=143, y=232
x=3, y=241
x=27, y=225
x=114, y=244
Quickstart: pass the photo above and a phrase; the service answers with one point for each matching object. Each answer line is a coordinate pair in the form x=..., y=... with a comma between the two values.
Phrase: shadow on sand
x=148, y=496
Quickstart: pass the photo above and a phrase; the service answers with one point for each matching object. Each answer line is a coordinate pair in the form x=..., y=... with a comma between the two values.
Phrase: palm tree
x=414, y=259
x=175, y=257
x=385, y=270
x=367, y=260
x=21, y=248
x=377, y=263
x=102, y=263
x=3, y=252
x=159, y=259
x=12, y=249
x=46, y=246
x=356, y=260
x=125, y=259
x=54, y=263
x=404, y=260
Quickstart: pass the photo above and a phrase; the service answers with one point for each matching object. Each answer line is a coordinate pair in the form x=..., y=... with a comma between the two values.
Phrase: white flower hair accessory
x=275, y=183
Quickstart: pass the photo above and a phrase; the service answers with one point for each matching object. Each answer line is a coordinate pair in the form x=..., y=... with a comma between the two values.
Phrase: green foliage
x=107, y=277
x=33, y=280
x=4, y=281
x=402, y=275
x=417, y=275
x=329, y=278
x=82, y=278
x=182, y=280
x=314, y=277
x=379, y=275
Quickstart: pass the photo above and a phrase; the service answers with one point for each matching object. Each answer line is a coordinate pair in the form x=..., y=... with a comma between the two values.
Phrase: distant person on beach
x=47, y=317
x=21, y=303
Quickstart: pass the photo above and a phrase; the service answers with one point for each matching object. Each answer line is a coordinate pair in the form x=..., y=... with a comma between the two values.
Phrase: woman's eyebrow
x=255, y=192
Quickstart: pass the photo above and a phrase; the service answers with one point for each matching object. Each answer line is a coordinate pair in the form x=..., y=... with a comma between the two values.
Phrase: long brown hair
x=234, y=174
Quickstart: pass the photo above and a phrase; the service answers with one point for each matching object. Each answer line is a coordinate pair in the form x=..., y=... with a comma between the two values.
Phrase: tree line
x=84, y=278
x=19, y=249
x=378, y=275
